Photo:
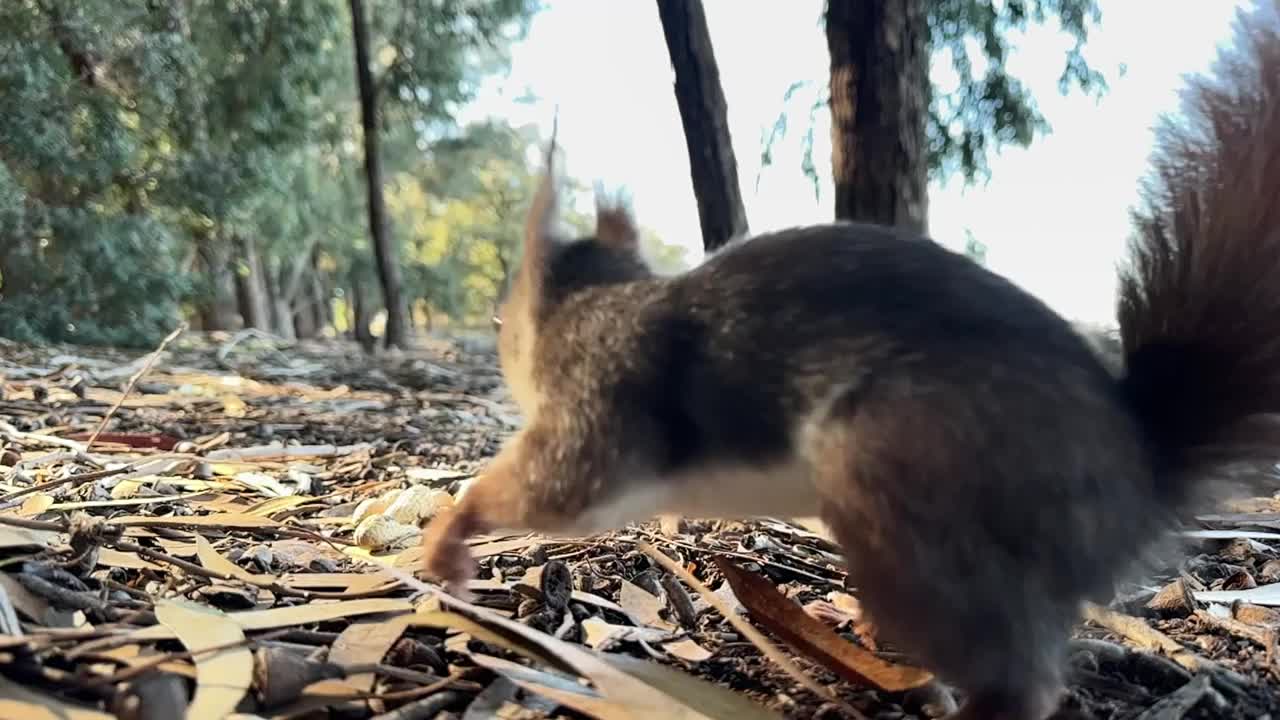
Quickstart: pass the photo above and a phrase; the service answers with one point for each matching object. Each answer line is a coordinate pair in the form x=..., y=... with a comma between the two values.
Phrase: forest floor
x=242, y=535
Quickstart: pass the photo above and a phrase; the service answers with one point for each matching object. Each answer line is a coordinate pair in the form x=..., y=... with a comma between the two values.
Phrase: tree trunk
x=879, y=107
x=360, y=308
x=704, y=115
x=217, y=310
x=278, y=305
x=250, y=293
x=384, y=247
x=319, y=295
x=308, y=320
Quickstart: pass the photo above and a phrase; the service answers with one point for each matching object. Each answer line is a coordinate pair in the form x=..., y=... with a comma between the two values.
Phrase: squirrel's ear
x=615, y=226
x=540, y=223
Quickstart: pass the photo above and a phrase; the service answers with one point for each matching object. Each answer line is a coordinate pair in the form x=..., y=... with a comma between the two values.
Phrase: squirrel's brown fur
x=984, y=472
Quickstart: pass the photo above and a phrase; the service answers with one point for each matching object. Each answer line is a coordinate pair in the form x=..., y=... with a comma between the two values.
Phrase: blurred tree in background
x=892, y=128
x=205, y=160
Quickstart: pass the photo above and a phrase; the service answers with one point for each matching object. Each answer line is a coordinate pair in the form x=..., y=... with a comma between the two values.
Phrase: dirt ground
x=239, y=537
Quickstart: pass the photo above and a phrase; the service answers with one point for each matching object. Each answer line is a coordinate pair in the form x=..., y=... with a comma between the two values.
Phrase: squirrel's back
x=769, y=330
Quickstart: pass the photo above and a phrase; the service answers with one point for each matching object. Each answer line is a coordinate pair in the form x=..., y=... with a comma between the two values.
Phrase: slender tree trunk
x=879, y=107
x=703, y=113
x=360, y=308
x=384, y=246
x=249, y=285
x=303, y=316
x=278, y=305
x=319, y=296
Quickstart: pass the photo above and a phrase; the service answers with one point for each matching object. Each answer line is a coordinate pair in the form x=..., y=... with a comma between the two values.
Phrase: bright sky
x=1054, y=217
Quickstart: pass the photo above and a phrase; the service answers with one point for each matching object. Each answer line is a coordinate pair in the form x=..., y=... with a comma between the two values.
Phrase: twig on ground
x=76, y=480
x=133, y=381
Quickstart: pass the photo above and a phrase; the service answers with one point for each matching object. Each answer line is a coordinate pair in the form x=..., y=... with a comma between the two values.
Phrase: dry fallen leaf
x=223, y=676
x=711, y=700
x=36, y=504
x=126, y=489
x=22, y=599
x=688, y=650
x=786, y=619
x=110, y=557
x=600, y=635
x=366, y=642
x=24, y=539
x=1266, y=595
x=638, y=699
x=210, y=559
x=288, y=616
x=643, y=606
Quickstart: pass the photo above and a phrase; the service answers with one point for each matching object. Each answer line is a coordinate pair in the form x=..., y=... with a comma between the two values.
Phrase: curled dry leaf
x=786, y=619
x=418, y=504
x=374, y=505
x=379, y=532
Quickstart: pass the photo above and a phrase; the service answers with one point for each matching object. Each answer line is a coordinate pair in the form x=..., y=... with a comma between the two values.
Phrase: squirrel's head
x=554, y=266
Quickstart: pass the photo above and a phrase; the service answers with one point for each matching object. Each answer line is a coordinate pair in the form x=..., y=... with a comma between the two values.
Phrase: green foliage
x=987, y=109
x=431, y=54
x=81, y=256
x=993, y=108
x=145, y=145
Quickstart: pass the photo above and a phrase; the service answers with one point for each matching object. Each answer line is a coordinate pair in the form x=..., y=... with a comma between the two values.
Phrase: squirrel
x=983, y=470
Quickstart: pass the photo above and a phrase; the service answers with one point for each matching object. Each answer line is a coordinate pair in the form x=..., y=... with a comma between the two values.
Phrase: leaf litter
x=223, y=529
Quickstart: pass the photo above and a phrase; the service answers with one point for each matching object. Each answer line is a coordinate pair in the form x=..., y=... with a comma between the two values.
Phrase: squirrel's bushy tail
x=1199, y=303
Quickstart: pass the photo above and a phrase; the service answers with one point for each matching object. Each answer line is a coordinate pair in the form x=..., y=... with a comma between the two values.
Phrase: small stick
x=1138, y=631
x=767, y=648
x=133, y=381
x=79, y=479
x=134, y=671
x=271, y=585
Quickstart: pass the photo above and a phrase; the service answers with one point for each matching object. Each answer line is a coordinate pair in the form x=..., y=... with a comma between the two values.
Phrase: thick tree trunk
x=250, y=293
x=879, y=107
x=704, y=115
x=384, y=247
x=217, y=310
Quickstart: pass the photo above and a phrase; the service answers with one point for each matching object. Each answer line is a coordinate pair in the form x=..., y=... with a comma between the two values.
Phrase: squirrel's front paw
x=445, y=554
